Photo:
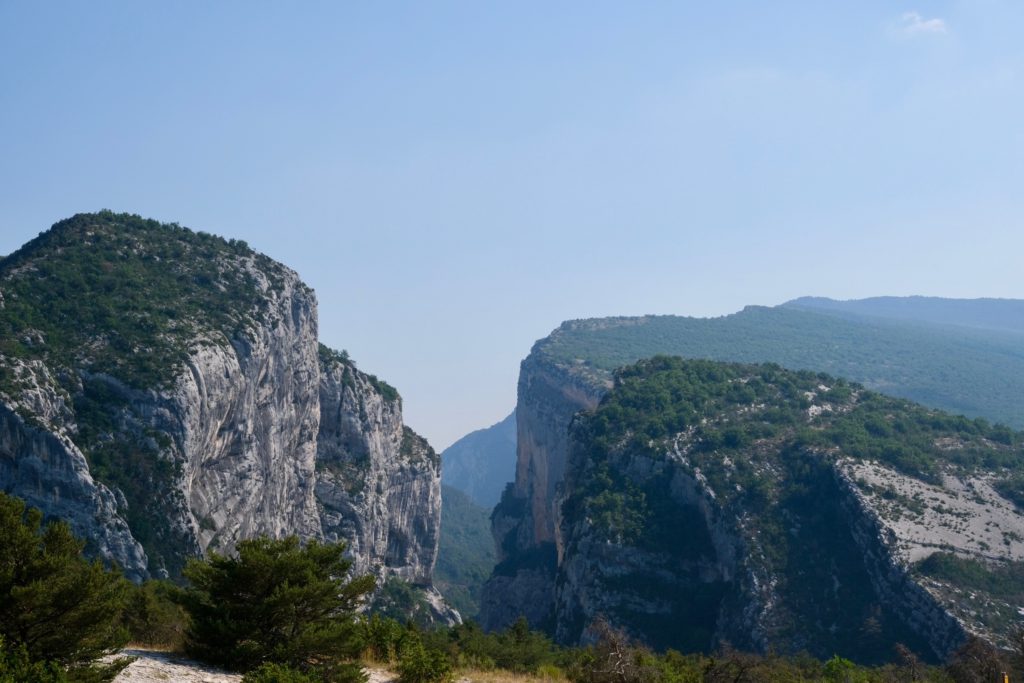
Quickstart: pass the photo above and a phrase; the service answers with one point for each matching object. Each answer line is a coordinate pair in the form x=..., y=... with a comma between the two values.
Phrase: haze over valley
x=508, y=344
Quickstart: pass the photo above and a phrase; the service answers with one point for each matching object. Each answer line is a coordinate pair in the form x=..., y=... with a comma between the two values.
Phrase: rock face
x=200, y=412
x=378, y=482
x=243, y=419
x=523, y=523
x=49, y=472
x=770, y=542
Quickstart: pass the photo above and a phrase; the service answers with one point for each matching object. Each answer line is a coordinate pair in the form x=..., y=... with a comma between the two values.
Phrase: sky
x=455, y=179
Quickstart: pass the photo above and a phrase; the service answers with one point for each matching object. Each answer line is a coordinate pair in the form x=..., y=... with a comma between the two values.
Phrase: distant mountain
x=985, y=314
x=465, y=556
x=480, y=464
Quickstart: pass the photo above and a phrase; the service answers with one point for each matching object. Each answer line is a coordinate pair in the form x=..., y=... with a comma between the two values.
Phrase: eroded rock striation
x=164, y=391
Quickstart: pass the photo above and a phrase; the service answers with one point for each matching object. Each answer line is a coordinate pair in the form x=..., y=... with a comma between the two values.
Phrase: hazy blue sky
x=455, y=179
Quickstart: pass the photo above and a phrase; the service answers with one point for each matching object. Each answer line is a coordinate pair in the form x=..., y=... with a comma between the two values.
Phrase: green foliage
x=1012, y=489
x=662, y=396
x=114, y=304
x=278, y=673
x=17, y=667
x=516, y=649
x=276, y=602
x=330, y=358
x=124, y=295
x=418, y=664
x=401, y=601
x=764, y=440
x=415, y=448
x=974, y=372
x=154, y=616
x=132, y=463
x=1003, y=580
x=614, y=658
x=381, y=637
x=465, y=553
x=55, y=605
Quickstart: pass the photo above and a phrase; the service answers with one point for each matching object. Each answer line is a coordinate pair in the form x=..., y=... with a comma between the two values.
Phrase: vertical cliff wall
x=378, y=482
x=705, y=503
x=164, y=391
x=523, y=523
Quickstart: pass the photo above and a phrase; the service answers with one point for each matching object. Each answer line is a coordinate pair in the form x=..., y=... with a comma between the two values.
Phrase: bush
x=418, y=664
x=278, y=673
x=56, y=606
x=381, y=637
x=154, y=617
x=613, y=660
x=276, y=602
x=16, y=667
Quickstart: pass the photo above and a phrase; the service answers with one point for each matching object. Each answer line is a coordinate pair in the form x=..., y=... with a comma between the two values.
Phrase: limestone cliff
x=164, y=391
x=571, y=370
x=705, y=503
x=523, y=523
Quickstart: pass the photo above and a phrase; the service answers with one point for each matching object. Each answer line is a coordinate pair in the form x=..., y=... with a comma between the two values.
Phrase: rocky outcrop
x=49, y=472
x=378, y=483
x=245, y=417
x=741, y=530
x=213, y=416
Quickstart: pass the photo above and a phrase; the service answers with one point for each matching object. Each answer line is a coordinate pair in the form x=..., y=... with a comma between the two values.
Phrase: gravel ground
x=164, y=667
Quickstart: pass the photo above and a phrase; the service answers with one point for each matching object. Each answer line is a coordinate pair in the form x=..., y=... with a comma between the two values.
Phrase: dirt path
x=164, y=667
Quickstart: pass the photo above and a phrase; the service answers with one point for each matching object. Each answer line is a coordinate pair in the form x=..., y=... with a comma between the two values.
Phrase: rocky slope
x=164, y=391
x=571, y=370
x=784, y=511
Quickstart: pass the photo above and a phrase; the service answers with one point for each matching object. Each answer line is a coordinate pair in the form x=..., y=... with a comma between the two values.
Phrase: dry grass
x=477, y=676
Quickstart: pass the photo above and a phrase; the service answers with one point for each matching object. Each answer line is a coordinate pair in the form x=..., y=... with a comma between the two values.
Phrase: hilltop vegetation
x=664, y=396
x=123, y=295
x=969, y=371
x=984, y=314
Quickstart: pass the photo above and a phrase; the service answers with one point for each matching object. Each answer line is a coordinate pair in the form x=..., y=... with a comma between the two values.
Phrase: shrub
x=418, y=664
x=278, y=673
x=16, y=667
x=381, y=637
x=613, y=660
x=276, y=602
x=56, y=606
x=154, y=617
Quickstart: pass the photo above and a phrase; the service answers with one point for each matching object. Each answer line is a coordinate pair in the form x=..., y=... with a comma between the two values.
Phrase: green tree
x=16, y=667
x=276, y=602
x=419, y=664
x=55, y=605
x=153, y=615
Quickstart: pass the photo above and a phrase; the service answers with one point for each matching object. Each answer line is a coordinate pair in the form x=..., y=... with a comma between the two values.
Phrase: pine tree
x=55, y=605
x=276, y=602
